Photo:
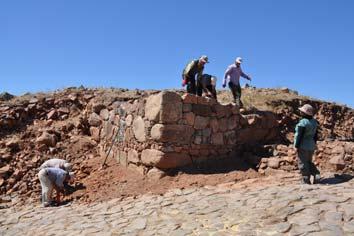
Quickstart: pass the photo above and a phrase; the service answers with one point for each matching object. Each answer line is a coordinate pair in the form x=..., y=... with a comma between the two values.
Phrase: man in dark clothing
x=194, y=68
x=207, y=86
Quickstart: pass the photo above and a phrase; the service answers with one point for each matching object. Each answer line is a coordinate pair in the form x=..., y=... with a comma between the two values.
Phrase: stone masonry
x=166, y=130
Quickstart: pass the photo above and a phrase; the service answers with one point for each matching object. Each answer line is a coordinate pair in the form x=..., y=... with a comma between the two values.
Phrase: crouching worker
x=207, y=86
x=53, y=178
x=305, y=144
x=56, y=163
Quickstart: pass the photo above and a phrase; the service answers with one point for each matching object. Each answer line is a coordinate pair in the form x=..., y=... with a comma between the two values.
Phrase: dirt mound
x=37, y=127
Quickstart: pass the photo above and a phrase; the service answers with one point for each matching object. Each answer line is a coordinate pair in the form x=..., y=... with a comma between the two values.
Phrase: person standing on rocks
x=232, y=75
x=194, y=68
x=56, y=163
x=53, y=178
x=305, y=144
x=207, y=88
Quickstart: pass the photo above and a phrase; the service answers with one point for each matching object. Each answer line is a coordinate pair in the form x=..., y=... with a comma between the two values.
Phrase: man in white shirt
x=53, y=178
x=56, y=163
x=233, y=74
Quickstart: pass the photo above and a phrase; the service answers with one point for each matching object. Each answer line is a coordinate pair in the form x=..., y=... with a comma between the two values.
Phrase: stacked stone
x=329, y=156
x=167, y=131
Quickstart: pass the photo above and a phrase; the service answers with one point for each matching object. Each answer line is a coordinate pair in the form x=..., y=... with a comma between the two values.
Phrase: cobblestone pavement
x=273, y=208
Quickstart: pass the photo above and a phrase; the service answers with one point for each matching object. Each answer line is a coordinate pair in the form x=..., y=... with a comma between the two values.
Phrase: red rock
x=52, y=115
x=4, y=170
x=47, y=139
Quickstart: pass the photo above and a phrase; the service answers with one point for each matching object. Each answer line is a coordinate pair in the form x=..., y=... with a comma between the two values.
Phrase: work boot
x=317, y=179
x=305, y=180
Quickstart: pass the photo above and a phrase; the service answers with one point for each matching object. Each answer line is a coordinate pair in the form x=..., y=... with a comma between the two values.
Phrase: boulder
x=156, y=158
x=189, y=117
x=273, y=162
x=47, y=139
x=97, y=107
x=201, y=122
x=52, y=115
x=155, y=174
x=104, y=114
x=4, y=170
x=133, y=156
x=94, y=120
x=221, y=110
x=139, y=129
x=217, y=139
x=181, y=134
x=233, y=122
x=202, y=110
x=165, y=107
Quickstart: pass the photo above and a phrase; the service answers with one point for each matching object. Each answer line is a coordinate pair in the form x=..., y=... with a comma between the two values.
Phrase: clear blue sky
x=304, y=45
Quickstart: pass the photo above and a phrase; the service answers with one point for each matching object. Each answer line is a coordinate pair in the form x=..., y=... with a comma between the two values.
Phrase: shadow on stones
x=337, y=179
x=214, y=167
x=71, y=189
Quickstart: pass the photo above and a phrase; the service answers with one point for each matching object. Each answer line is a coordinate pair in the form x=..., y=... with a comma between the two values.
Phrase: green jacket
x=193, y=69
x=305, y=134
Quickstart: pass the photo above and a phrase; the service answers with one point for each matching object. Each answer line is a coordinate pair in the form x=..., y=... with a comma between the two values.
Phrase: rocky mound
x=36, y=127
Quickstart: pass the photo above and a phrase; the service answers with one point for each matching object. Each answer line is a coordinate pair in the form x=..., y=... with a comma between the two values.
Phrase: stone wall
x=167, y=130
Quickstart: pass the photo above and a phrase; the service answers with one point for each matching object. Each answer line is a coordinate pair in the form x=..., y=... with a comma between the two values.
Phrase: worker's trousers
x=47, y=187
x=191, y=86
x=305, y=164
x=236, y=93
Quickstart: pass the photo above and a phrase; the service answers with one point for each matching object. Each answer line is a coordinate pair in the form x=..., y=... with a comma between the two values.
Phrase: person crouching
x=53, y=178
x=207, y=86
x=305, y=144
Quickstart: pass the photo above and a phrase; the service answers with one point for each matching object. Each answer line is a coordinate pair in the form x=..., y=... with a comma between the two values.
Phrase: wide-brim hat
x=307, y=109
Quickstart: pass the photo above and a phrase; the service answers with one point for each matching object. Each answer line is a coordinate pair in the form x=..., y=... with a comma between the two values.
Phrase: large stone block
x=139, y=129
x=214, y=125
x=190, y=118
x=165, y=107
x=156, y=158
x=133, y=156
x=217, y=139
x=233, y=122
x=201, y=110
x=221, y=110
x=201, y=122
x=230, y=137
x=94, y=120
x=104, y=114
x=223, y=124
x=172, y=133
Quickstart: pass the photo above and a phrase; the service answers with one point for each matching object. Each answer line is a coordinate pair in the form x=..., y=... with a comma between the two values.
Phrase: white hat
x=67, y=166
x=307, y=109
x=204, y=59
x=238, y=60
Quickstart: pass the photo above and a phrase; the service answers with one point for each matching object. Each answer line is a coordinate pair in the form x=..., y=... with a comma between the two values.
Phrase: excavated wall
x=167, y=130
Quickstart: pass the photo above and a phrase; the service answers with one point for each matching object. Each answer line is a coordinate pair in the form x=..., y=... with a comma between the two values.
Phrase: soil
x=115, y=181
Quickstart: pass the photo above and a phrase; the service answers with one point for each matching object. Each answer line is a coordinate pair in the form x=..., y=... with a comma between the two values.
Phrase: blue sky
x=305, y=45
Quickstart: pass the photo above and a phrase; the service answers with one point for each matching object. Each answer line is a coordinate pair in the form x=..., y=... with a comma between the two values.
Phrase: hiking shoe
x=305, y=180
x=317, y=179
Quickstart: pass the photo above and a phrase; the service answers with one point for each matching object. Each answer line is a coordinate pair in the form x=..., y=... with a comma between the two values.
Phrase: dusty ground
x=116, y=181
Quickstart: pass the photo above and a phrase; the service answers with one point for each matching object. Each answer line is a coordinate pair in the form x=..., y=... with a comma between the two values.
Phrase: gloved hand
x=224, y=85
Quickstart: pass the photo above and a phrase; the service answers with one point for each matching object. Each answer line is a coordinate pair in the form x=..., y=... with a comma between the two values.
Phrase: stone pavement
x=248, y=208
